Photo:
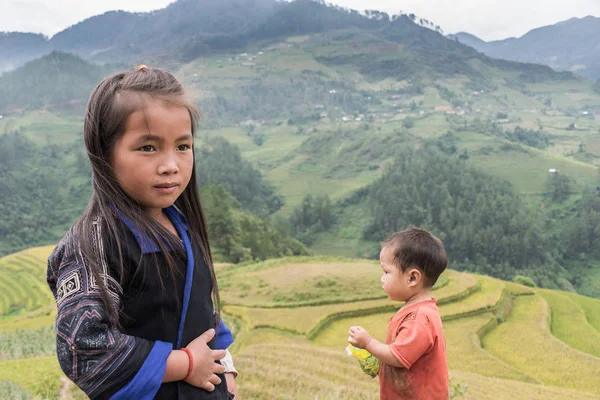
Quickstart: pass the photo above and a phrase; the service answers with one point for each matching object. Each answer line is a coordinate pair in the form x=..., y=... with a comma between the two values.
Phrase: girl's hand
x=359, y=337
x=230, y=378
x=205, y=370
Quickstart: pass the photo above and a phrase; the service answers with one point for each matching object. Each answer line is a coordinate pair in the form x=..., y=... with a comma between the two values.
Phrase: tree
x=312, y=216
x=221, y=162
x=559, y=186
x=408, y=122
x=485, y=226
x=238, y=236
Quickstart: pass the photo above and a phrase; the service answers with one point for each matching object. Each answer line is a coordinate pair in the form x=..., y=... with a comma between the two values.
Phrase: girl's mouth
x=167, y=187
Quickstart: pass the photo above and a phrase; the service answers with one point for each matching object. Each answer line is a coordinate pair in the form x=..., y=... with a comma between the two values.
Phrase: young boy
x=413, y=362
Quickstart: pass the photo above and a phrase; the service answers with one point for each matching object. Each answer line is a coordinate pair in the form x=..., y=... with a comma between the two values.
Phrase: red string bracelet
x=191, y=369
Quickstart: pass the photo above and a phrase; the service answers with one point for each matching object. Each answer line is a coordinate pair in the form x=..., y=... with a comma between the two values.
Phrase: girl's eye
x=184, y=147
x=147, y=148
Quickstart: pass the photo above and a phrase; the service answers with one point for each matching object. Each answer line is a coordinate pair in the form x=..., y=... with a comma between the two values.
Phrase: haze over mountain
x=188, y=28
x=570, y=45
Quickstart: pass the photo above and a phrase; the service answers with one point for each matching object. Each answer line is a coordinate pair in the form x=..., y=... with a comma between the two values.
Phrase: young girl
x=133, y=279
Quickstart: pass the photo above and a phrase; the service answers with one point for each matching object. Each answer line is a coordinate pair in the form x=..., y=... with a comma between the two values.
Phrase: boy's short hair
x=416, y=247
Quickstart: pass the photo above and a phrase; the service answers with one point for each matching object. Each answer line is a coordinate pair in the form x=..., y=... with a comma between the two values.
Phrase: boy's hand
x=359, y=337
x=204, y=374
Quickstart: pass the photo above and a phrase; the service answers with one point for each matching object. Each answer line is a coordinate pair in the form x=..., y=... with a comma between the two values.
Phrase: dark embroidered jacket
x=107, y=363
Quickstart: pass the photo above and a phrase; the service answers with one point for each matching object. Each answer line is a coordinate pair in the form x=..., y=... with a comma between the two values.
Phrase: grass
x=520, y=358
x=486, y=297
x=39, y=376
x=525, y=342
x=24, y=287
x=43, y=126
x=293, y=368
x=334, y=335
x=569, y=323
x=272, y=356
x=295, y=184
x=295, y=282
x=465, y=353
x=488, y=388
x=303, y=319
x=10, y=390
x=526, y=169
x=590, y=306
x=298, y=283
x=27, y=343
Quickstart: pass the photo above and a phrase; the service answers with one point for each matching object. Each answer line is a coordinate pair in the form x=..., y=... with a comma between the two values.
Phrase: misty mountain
x=571, y=45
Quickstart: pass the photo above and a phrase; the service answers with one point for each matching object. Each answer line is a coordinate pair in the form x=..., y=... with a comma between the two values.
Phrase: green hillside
x=291, y=314
x=322, y=101
x=312, y=126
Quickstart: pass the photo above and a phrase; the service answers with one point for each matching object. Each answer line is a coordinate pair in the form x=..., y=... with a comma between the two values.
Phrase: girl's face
x=153, y=159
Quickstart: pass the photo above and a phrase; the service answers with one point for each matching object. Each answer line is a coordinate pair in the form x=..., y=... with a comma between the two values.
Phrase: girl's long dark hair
x=108, y=108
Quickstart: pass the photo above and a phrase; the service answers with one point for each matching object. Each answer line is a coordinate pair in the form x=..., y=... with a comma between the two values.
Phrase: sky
x=487, y=19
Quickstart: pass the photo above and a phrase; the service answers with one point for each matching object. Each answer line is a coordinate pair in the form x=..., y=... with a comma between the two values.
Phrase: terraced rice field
x=525, y=342
x=569, y=323
x=291, y=317
x=303, y=319
x=23, y=285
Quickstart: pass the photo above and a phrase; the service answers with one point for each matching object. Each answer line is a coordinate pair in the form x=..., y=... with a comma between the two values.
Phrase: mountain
x=397, y=47
x=570, y=45
x=16, y=48
x=188, y=29
x=56, y=80
x=468, y=39
x=118, y=35
x=321, y=100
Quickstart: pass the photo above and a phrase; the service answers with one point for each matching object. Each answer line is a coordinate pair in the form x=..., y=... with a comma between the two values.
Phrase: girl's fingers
x=209, y=387
x=218, y=354
x=219, y=369
x=214, y=379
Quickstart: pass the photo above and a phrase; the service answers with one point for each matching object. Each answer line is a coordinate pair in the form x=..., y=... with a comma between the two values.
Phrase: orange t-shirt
x=416, y=338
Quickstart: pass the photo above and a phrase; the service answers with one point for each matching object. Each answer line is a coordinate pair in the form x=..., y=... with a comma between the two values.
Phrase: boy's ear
x=414, y=276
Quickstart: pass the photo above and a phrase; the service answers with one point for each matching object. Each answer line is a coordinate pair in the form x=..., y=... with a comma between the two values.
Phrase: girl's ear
x=414, y=276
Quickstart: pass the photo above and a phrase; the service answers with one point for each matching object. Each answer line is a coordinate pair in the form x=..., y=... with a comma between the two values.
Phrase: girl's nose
x=168, y=166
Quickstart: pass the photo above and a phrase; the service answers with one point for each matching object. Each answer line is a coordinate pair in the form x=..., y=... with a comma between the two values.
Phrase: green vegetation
x=525, y=342
x=11, y=390
x=313, y=216
x=328, y=128
x=303, y=290
x=219, y=162
x=305, y=113
x=41, y=191
x=23, y=287
x=483, y=223
x=240, y=236
x=524, y=280
x=58, y=80
x=570, y=323
x=27, y=343
x=39, y=376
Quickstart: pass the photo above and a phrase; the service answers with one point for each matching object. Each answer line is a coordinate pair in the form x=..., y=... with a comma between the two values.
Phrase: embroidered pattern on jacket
x=89, y=350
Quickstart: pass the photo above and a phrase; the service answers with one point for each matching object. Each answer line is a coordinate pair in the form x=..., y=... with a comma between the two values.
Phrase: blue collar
x=146, y=244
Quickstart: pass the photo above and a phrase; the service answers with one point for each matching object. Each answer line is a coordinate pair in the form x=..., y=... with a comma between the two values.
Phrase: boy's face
x=396, y=284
